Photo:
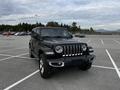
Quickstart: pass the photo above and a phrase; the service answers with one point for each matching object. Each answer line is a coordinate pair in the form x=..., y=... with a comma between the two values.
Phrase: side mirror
x=32, y=34
x=31, y=31
x=71, y=36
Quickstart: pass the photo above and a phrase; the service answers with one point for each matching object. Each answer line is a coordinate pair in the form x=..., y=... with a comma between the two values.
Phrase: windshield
x=58, y=33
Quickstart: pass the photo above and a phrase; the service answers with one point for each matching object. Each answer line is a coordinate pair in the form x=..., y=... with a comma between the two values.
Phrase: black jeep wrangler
x=55, y=47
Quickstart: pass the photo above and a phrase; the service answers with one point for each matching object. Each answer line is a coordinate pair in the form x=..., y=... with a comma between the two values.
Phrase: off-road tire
x=45, y=70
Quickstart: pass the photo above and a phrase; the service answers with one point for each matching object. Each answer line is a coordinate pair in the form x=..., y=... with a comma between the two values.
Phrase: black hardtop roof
x=49, y=28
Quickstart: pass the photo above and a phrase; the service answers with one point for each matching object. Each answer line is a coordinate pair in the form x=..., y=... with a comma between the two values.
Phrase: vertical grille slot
x=71, y=50
x=74, y=49
x=78, y=48
x=64, y=50
x=67, y=50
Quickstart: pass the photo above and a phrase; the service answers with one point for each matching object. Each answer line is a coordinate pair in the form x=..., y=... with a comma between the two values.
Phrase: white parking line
x=30, y=75
x=103, y=67
x=13, y=49
x=117, y=41
x=25, y=57
x=13, y=56
x=23, y=79
x=102, y=41
x=113, y=62
x=6, y=55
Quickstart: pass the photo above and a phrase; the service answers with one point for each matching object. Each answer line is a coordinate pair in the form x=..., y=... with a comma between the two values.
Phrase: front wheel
x=85, y=66
x=44, y=67
x=30, y=53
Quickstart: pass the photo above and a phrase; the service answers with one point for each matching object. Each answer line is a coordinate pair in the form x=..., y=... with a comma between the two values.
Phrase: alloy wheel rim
x=41, y=66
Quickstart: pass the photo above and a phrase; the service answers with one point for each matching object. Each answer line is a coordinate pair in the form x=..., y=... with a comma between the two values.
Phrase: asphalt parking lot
x=19, y=72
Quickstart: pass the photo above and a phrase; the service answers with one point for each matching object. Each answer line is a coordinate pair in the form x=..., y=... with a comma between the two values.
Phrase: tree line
x=74, y=28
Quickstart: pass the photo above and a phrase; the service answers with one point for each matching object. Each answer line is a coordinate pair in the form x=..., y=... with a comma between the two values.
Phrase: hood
x=61, y=41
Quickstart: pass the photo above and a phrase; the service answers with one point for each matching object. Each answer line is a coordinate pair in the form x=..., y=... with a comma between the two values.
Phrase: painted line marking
x=23, y=79
x=25, y=57
x=6, y=55
x=102, y=41
x=113, y=62
x=103, y=67
x=13, y=56
x=12, y=49
x=30, y=75
x=117, y=41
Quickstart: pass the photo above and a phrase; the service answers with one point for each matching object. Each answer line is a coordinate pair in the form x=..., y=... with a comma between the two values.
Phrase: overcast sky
x=87, y=13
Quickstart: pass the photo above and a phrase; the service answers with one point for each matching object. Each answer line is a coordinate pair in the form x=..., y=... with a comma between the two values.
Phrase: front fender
x=90, y=49
x=46, y=50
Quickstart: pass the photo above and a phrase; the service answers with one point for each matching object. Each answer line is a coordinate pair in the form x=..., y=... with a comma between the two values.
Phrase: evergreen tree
x=52, y=24
x=91, y=29
x=28, y=27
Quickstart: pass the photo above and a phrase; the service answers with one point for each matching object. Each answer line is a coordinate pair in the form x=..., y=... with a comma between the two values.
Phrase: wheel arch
x=40, y=52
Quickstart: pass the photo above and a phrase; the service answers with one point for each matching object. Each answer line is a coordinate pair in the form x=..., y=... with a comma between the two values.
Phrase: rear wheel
x=44, y=68
x=85, y=66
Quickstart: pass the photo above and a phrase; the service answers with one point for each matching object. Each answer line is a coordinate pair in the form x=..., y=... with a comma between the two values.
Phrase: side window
x=33, y=32
x=37, y=31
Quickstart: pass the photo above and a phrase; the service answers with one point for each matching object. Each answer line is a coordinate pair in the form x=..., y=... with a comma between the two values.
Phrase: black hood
x=62, y=41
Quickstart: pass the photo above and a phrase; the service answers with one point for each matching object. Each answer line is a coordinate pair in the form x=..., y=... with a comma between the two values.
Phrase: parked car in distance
x=6, y=33
x=21, y=34
x=17, y=33
x=28, y=33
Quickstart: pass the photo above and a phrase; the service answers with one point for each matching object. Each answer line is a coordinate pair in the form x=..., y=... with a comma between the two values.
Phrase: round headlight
x=58, y=49
x=84, y=47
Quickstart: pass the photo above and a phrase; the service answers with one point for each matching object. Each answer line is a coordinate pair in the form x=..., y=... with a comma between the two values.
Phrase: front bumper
x=71, y=61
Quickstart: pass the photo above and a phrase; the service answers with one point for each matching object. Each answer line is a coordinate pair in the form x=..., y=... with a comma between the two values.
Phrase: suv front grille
x=72, y=50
